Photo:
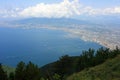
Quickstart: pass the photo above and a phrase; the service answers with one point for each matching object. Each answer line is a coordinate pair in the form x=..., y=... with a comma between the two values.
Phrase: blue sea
x=41, y=46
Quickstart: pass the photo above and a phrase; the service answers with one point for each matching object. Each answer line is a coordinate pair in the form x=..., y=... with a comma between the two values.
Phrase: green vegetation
x=8, y=69
x=109, y=70
x=27, y=72
x=67, y=65
x=3, y=74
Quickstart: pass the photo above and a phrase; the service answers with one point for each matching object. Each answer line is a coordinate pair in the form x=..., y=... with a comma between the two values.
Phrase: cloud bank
x=66, y=8
x=105, y=11
x=57, y=10
x=5, y=13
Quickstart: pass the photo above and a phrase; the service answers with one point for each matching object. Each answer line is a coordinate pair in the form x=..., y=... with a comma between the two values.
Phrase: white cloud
x=9, y=13
x=63, y=9
x=66, y=8
x=105, y=11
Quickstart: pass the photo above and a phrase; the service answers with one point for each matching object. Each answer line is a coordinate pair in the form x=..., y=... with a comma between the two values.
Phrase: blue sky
x=23, y=3
x=26, y=3
x=21, y=8
x=101, y=3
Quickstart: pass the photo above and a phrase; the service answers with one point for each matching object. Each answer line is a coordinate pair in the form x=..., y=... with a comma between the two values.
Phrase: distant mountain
x=68, y=22
x=99, y=20
x=50, y=21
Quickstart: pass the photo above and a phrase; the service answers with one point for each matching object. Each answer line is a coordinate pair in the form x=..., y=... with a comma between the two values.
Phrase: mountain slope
x=8, y=69
x=48, y=21
x=110, y=70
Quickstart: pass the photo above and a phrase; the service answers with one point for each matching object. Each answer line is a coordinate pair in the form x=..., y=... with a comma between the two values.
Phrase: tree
x=3, y=74
x=114, y=52
x=56, y=77
x=80, y=64
x=32, y=72
x=102, y=54
x=63, y=66
x=27, y=72
x=11, y=76
x=91, y=54
x=20, y=71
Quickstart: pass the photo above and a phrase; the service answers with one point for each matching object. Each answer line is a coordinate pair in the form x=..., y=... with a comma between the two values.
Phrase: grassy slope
x=110, y=70
x=8, y=69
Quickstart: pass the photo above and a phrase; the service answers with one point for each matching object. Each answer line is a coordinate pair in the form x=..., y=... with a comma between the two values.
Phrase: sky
x=58, y=8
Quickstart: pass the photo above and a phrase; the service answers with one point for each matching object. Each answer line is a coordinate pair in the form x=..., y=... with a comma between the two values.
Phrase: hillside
x=102, y=64
x=8, y=69
x=51, y=66
x=109, y=70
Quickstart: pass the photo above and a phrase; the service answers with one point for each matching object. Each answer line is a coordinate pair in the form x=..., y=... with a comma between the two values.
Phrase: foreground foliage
x=110, y=70
x=67, y=65
x=3, y=74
